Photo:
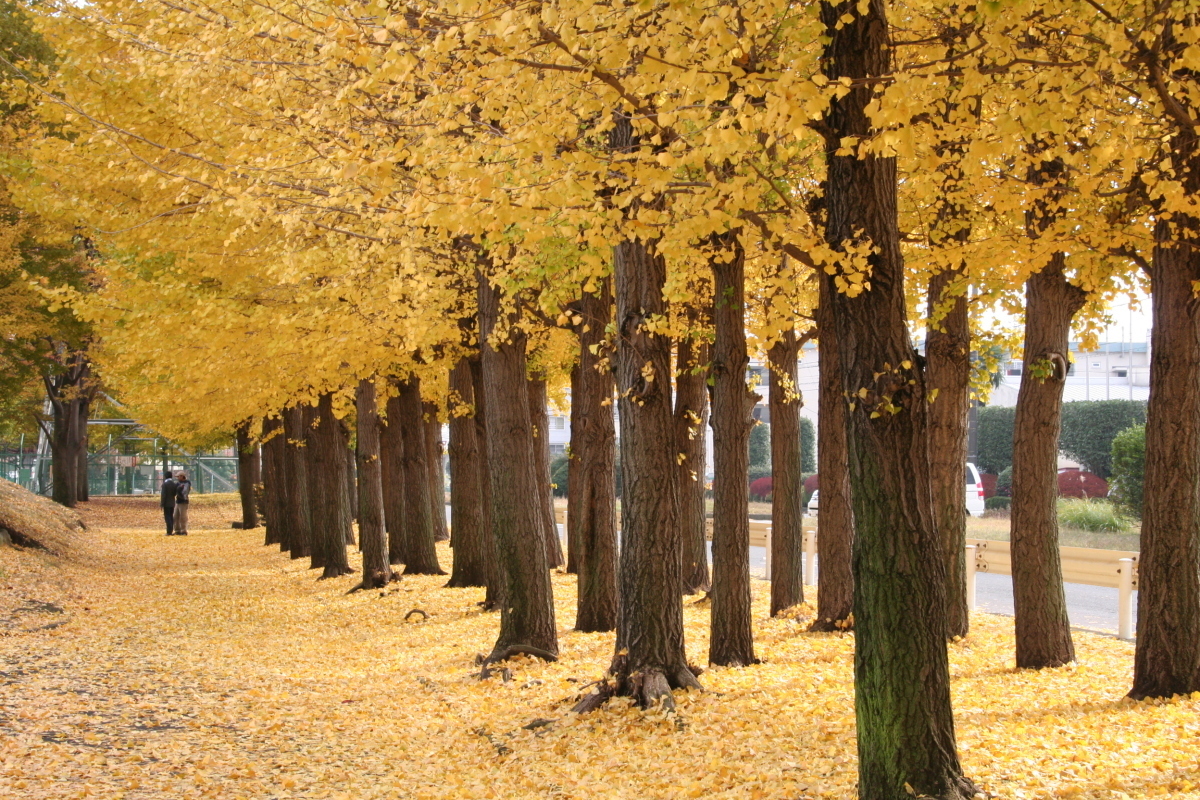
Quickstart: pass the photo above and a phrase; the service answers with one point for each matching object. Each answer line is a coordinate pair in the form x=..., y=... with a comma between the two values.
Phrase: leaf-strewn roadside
x=213, y=667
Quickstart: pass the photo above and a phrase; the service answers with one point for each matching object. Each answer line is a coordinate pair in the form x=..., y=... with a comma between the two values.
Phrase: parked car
x=974, y=494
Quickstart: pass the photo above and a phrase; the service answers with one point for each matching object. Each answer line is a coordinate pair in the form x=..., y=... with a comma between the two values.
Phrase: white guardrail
x=1113, y=569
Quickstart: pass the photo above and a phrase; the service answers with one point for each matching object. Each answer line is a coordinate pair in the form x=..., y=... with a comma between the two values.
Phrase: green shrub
x=1129, y=468
x=1091, y=514
x=997, y=502
x=1004, y=482
x=808, y=445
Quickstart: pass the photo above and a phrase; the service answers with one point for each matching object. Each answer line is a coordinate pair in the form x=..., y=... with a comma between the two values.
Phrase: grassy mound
x=29, y=520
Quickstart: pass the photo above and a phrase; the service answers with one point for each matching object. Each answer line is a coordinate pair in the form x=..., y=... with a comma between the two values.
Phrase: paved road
x=1092, y=608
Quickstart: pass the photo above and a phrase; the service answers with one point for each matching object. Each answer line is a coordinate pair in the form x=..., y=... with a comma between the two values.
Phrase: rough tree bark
x=1167, y=660
x=948, y=372
x=691, y=423
x=1051, y=302
x=437, y=475
x=326, y=442
x=574, y=491
x=67, y=390
x=297, y=534
x=539, y=423
x=527, y=614
x=906, y=741
x=731, y=642
x=649, y=659
x=85, y=412
x=787, y=482
x=274, y=493
x=466, y=471
x=592, y=520
x=493, y=575
x=372, y=533
x=835, y=514
x=391, y=446
x=419, y=554
x=249, y=474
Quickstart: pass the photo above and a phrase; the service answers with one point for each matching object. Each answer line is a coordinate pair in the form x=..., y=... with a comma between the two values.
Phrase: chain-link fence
x=110, y=474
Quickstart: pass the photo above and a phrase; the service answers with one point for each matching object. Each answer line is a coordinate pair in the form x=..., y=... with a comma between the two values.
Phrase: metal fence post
x=1125, y=599
x=810, y=558
x=971, y=577
x=768, y=548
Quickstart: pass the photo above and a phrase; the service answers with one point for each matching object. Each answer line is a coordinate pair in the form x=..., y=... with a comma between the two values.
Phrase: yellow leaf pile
x=212, y=667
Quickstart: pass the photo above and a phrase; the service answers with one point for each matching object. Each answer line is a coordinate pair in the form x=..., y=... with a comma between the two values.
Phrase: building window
x=558, y=449
x=1013, y=371
x=1121, y=373
x=558, y=423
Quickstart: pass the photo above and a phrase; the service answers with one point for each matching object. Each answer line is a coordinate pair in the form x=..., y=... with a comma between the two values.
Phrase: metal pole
x=810, y=557
x=1125, y=600
x=971, y=577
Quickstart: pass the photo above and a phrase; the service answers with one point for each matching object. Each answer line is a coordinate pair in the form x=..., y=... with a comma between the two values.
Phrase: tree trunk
x=248, y=474
x=1167, y=661
x=691, y=424
x=391, y=445
x=68, y=437
x=81, y=481
x=649, y=659
x=274, y=493
x=574, y=477
x=787, y=482
x=906, y=742
x=527, y=614
x=948, y=372
x=541, y=469
x=419, y=554
x=593, y=519
x=466, y=472
x=732, y=642
x=372, y=533
x=437, y=475
x=297, y=535
x=1051, y=302
x=495, y=596
x=835, y=514
x=327, y=441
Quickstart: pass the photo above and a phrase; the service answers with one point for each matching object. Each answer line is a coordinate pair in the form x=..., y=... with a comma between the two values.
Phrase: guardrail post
x=971, y=549
x=810, y=559
x=768, y=543
x=1125, y=599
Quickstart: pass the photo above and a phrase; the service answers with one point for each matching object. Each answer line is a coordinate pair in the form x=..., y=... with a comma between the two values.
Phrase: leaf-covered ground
x=210, y=666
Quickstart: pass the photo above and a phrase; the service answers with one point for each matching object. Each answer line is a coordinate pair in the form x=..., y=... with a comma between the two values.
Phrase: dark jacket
x=182, y=490
x=166, y=496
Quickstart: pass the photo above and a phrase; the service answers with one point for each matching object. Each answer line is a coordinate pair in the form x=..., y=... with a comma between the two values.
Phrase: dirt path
x=210, y=666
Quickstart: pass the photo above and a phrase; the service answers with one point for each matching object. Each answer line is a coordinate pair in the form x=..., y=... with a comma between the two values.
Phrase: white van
x=974, y=492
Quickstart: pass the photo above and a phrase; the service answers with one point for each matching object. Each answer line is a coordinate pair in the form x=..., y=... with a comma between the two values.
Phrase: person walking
x=166, y=499
x=183, y=489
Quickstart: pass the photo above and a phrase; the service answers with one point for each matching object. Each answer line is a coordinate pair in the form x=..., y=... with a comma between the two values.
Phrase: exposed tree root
x=827, y=625
x=648, y=688
x=424, y=616
x=497, y=656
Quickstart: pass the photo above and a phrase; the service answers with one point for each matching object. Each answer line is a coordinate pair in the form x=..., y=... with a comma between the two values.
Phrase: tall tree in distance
x=593, y=517
x=691, y=421
x=372, y=533
x=249, y=474
x=466, y=474
x=787, y=485
x=527, y=612
x=1051, y=302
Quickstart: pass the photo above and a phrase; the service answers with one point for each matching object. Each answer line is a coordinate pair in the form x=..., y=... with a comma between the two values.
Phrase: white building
x=1114, y=371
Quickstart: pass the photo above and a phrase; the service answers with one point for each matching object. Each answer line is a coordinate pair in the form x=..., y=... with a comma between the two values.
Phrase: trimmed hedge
x=1129, y=468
